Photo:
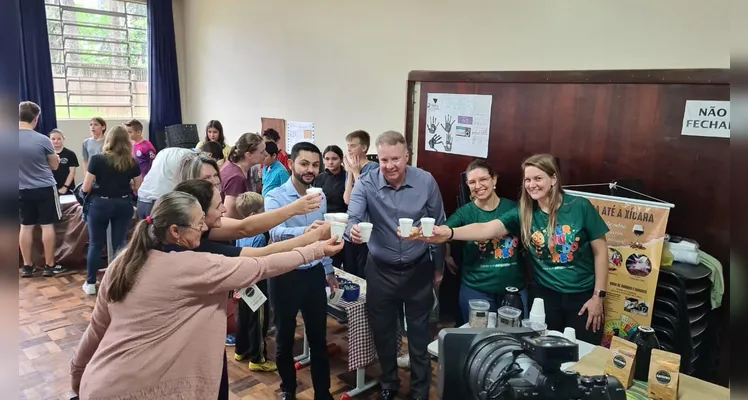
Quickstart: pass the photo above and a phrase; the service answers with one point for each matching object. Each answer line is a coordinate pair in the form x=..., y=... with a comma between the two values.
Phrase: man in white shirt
x=161, y=178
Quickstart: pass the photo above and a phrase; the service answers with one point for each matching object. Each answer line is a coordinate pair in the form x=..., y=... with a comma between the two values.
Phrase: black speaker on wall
x=182, y=135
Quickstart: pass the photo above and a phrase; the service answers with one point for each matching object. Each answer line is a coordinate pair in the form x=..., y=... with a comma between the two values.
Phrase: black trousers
x=252, y=328
x=302, y=290
x=562, y=310
x=388, y=288
x=223, y=388
x=355, y=256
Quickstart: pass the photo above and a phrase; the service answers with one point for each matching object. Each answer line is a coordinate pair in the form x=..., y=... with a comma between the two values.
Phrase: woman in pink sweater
x=160, y=318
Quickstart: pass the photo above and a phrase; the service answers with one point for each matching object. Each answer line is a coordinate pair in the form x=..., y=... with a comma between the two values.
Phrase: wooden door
x=277, y=124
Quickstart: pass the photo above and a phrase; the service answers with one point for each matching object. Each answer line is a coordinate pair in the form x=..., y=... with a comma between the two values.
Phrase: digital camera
x=515, y=363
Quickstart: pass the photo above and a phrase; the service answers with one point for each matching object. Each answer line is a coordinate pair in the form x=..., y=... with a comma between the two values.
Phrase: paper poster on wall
x=706, y=118
x=298, y=132
x=458, y=123
x=635, y=242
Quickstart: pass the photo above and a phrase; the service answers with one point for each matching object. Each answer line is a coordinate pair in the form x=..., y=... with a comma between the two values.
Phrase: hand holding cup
x=309, y=203
x=321, y=229
x=332, y=246
x=356, y=234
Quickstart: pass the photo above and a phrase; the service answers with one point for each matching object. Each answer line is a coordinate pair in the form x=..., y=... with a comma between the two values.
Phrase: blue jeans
x=494, y=300
x=102, y=212
x=144, y=209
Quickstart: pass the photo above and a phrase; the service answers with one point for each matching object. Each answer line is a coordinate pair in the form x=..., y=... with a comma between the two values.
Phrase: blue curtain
x=36, y=64
x=163, y=80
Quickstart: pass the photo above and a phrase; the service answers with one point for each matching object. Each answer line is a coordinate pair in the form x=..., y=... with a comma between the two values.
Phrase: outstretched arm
x=481, y=231
x=318, y=232
x=233, y=229
x=467, y=233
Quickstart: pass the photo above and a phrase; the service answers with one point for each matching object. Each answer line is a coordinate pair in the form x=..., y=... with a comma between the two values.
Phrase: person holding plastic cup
x=398, y=272
x=303, y=289
x=487, y=266
x=565, y=239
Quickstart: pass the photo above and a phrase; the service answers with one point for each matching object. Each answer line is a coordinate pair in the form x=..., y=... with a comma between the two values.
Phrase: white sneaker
x=89, y=288
x=403, y=361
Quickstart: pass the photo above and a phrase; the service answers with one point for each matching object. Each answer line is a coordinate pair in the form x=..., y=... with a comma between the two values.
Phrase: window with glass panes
x=99, y=54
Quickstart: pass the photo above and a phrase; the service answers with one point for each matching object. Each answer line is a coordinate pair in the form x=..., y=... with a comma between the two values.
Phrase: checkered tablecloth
x=361, y=350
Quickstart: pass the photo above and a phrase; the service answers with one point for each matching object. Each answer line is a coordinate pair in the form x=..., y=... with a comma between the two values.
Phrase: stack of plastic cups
x=537, y=312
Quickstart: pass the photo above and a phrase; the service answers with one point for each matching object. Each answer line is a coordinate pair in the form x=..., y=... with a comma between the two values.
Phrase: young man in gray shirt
x=37, y=191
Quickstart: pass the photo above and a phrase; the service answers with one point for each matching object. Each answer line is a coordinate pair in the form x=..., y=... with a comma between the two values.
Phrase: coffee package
x=664, y=368
x=621, y=362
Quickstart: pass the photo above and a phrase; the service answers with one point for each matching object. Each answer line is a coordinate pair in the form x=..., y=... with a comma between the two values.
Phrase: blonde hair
x=57, y=131
x=547, y=164
x=247, y=143
x=249, y=203
x=118, y=149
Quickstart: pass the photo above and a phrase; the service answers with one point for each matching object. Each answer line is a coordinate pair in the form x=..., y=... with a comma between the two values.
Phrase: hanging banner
x=635, y=242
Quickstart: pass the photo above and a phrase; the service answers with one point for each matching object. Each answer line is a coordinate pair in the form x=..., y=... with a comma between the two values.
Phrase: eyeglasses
x=200, y=226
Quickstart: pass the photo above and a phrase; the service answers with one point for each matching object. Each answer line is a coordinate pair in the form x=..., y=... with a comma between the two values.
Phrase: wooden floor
x=54, y=312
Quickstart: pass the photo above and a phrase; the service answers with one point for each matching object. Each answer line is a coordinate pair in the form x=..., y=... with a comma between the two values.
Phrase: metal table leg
x=361, y=385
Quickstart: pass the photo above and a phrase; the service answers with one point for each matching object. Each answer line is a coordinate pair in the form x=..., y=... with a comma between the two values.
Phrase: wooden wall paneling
x=601, y=133
x=603, y=126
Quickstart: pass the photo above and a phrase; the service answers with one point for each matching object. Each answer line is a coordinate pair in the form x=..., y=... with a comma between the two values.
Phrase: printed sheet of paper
x=254, y=297
x=334, y=299
x=298, y=132
x=706, y=118
x=458, y=123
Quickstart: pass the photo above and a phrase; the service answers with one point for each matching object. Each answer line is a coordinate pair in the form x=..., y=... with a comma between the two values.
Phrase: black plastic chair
x=182, y=135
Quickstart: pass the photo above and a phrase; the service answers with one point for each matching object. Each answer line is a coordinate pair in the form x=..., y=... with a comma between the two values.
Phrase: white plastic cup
x=340, y=217
x=365, y=228
x=406, y=224
x=338, y=228
x=537, y=312
x=570, y=334
x=539, y=327
x=329, y=217
x=427, y=225
x=314, y=190
x=492, y=319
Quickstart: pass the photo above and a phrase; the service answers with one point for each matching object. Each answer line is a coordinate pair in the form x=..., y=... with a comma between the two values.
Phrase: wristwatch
x=600, y=293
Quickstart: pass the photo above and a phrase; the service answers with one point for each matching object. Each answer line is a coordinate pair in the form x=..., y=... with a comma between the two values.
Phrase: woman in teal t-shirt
x=565, y=239
x=488, y=266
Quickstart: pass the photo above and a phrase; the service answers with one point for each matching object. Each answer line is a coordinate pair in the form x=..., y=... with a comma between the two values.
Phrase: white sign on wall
x=298, y=132
x=458, y=123
x=707, y=118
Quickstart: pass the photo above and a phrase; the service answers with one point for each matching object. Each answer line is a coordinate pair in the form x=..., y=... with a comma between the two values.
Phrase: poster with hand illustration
x=458, y=123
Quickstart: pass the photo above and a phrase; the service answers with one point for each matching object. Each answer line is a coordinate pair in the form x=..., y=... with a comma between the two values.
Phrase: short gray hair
x=192, y=164
x=391, y=138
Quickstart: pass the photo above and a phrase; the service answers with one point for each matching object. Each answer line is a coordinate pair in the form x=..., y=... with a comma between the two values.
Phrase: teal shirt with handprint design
x=489, y=266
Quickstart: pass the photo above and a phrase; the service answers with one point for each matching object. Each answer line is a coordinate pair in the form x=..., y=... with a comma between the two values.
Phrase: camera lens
x=488, y=366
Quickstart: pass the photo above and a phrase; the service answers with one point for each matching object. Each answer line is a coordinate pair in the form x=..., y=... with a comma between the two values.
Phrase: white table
x=584, y=347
